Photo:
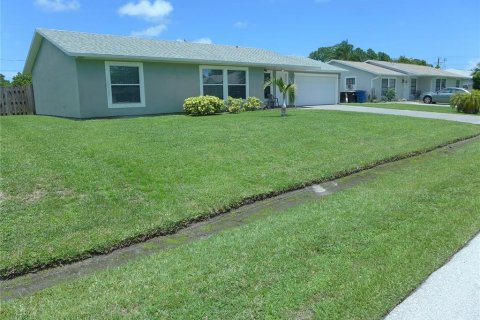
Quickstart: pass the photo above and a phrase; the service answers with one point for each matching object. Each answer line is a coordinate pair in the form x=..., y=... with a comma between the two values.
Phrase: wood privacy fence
x=16, y=100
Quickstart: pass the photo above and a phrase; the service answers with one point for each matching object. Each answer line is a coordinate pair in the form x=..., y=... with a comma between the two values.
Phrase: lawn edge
x=21, y=270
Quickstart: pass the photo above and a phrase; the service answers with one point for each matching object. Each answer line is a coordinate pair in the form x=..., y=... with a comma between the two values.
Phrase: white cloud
x=58, y=5
x=203, y=40
x=150, y=32
x=241, y=24
x=200, y=40
x=154, y=11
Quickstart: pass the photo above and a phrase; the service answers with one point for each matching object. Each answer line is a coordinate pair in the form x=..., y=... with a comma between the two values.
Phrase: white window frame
x=390, y=80
x=225, y=78
x=435, y=84
x=112, y=105
x=270, y=72
x=416, y=86
x=457, y=82
x=354, y=85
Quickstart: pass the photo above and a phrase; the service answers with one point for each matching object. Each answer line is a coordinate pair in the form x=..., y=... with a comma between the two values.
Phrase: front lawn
x=351, y=255
x=73, y=187
x=407, y=106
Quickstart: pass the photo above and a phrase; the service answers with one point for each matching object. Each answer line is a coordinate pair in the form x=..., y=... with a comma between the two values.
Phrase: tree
x=359, y=55
x=323, y=54
x=286, y=90
x=3, y=82
x=403, y=59
x=21, y=79
x=371, y=54
x=382, y=56
x=476, y=77
x=346, y=51
x=343, y=50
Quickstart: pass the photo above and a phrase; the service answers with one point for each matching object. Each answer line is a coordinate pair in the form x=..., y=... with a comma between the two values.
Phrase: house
x=408, y=80
x=467, y=82
x=84, y=75
x=370, y=78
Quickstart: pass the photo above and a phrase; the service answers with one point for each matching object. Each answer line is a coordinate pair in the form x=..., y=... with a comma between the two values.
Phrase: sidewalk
x=450, y=293
x=409, y=113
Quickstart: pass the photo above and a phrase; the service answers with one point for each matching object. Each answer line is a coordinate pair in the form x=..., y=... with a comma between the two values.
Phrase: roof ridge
x=40, y=30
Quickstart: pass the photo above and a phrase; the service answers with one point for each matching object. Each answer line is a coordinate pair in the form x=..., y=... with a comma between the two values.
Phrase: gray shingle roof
x=376, y=70
x=414, y=70
x=127, y=47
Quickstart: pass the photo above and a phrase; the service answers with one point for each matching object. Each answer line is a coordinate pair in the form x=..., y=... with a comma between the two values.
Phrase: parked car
x=442, y=96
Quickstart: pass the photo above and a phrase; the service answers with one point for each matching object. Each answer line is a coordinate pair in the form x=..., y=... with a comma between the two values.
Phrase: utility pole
x=444, y=63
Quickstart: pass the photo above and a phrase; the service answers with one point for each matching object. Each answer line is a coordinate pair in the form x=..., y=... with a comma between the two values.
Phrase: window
x=388, y=84
x=237, y=84
x=267, y=76
x=125, y=84
x=440, y=84
x=457, y=83
x=413, y=87
x=213, y=82
x=224, y=82
x=350, y=83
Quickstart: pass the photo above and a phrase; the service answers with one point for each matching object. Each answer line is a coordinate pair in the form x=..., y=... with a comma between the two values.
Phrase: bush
x=252, y=104
x=466, y=102
x=235, y=105
x=203, y=105
x=390, y=94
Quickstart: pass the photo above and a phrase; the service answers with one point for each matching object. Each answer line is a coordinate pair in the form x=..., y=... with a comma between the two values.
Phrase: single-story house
x=408, y=80
x=370, y=78
x=83, y=75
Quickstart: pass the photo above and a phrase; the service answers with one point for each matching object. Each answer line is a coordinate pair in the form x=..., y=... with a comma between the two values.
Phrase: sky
x=423, y=29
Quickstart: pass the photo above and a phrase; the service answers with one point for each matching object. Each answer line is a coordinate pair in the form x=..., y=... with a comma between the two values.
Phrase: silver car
x=442, y=96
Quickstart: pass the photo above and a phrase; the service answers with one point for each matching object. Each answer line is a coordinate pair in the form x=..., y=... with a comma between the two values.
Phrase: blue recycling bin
x=361, y=96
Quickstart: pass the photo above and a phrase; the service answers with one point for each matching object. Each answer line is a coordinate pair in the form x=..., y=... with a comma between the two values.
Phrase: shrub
x=466, y=102
x=203, y=105
x=390, y=94
x=235, y=105
x=252, y=104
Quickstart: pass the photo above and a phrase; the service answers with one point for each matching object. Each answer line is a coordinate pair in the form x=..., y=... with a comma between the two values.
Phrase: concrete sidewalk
x=450, y=293
x=408, y=113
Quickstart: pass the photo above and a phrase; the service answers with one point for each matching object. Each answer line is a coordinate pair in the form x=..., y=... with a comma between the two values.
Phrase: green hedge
x=203, y=105
x=466, y=102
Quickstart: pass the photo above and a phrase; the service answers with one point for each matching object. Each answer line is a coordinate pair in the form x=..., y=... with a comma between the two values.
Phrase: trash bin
x=348, y=96
x=361, y=96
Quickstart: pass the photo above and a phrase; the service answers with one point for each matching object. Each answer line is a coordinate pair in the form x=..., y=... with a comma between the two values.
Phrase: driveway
x=408, y=113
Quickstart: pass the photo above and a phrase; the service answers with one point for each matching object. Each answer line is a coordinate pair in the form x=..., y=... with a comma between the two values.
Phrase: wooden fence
x=16, y=100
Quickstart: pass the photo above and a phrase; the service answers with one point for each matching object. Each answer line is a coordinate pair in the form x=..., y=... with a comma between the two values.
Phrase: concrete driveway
x=408, y=113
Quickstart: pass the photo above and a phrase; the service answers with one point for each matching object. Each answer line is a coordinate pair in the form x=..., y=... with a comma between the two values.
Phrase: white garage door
x=313, y=89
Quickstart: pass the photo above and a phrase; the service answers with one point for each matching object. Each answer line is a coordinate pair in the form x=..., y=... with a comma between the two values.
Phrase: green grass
x=406, y=106
x=72, y=187
x=352, y=255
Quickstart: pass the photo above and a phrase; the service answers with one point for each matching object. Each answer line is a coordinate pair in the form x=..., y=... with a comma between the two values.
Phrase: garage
x=314, y=89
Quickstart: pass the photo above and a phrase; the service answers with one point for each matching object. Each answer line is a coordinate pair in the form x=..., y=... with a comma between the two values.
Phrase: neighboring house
x=467, y=82
x=84, y=75
x=372, y=79
x=408, y=80
x=422, y=78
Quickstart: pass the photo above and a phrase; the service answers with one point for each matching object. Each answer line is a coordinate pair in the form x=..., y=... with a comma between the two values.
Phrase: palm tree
x=286, y=90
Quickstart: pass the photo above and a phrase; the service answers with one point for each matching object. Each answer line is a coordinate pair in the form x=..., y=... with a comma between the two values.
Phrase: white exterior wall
x=363, y=79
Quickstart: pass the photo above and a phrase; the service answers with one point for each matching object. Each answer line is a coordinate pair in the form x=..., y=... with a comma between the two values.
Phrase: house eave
x=292, y=68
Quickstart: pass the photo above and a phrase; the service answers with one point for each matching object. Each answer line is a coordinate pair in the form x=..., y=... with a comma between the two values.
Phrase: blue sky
x=424, y=29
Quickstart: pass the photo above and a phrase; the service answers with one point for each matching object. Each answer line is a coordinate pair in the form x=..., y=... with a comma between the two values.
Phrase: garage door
x=313, y=89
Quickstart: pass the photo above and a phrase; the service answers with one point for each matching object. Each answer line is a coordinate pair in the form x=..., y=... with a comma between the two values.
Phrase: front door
x=278, y=94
